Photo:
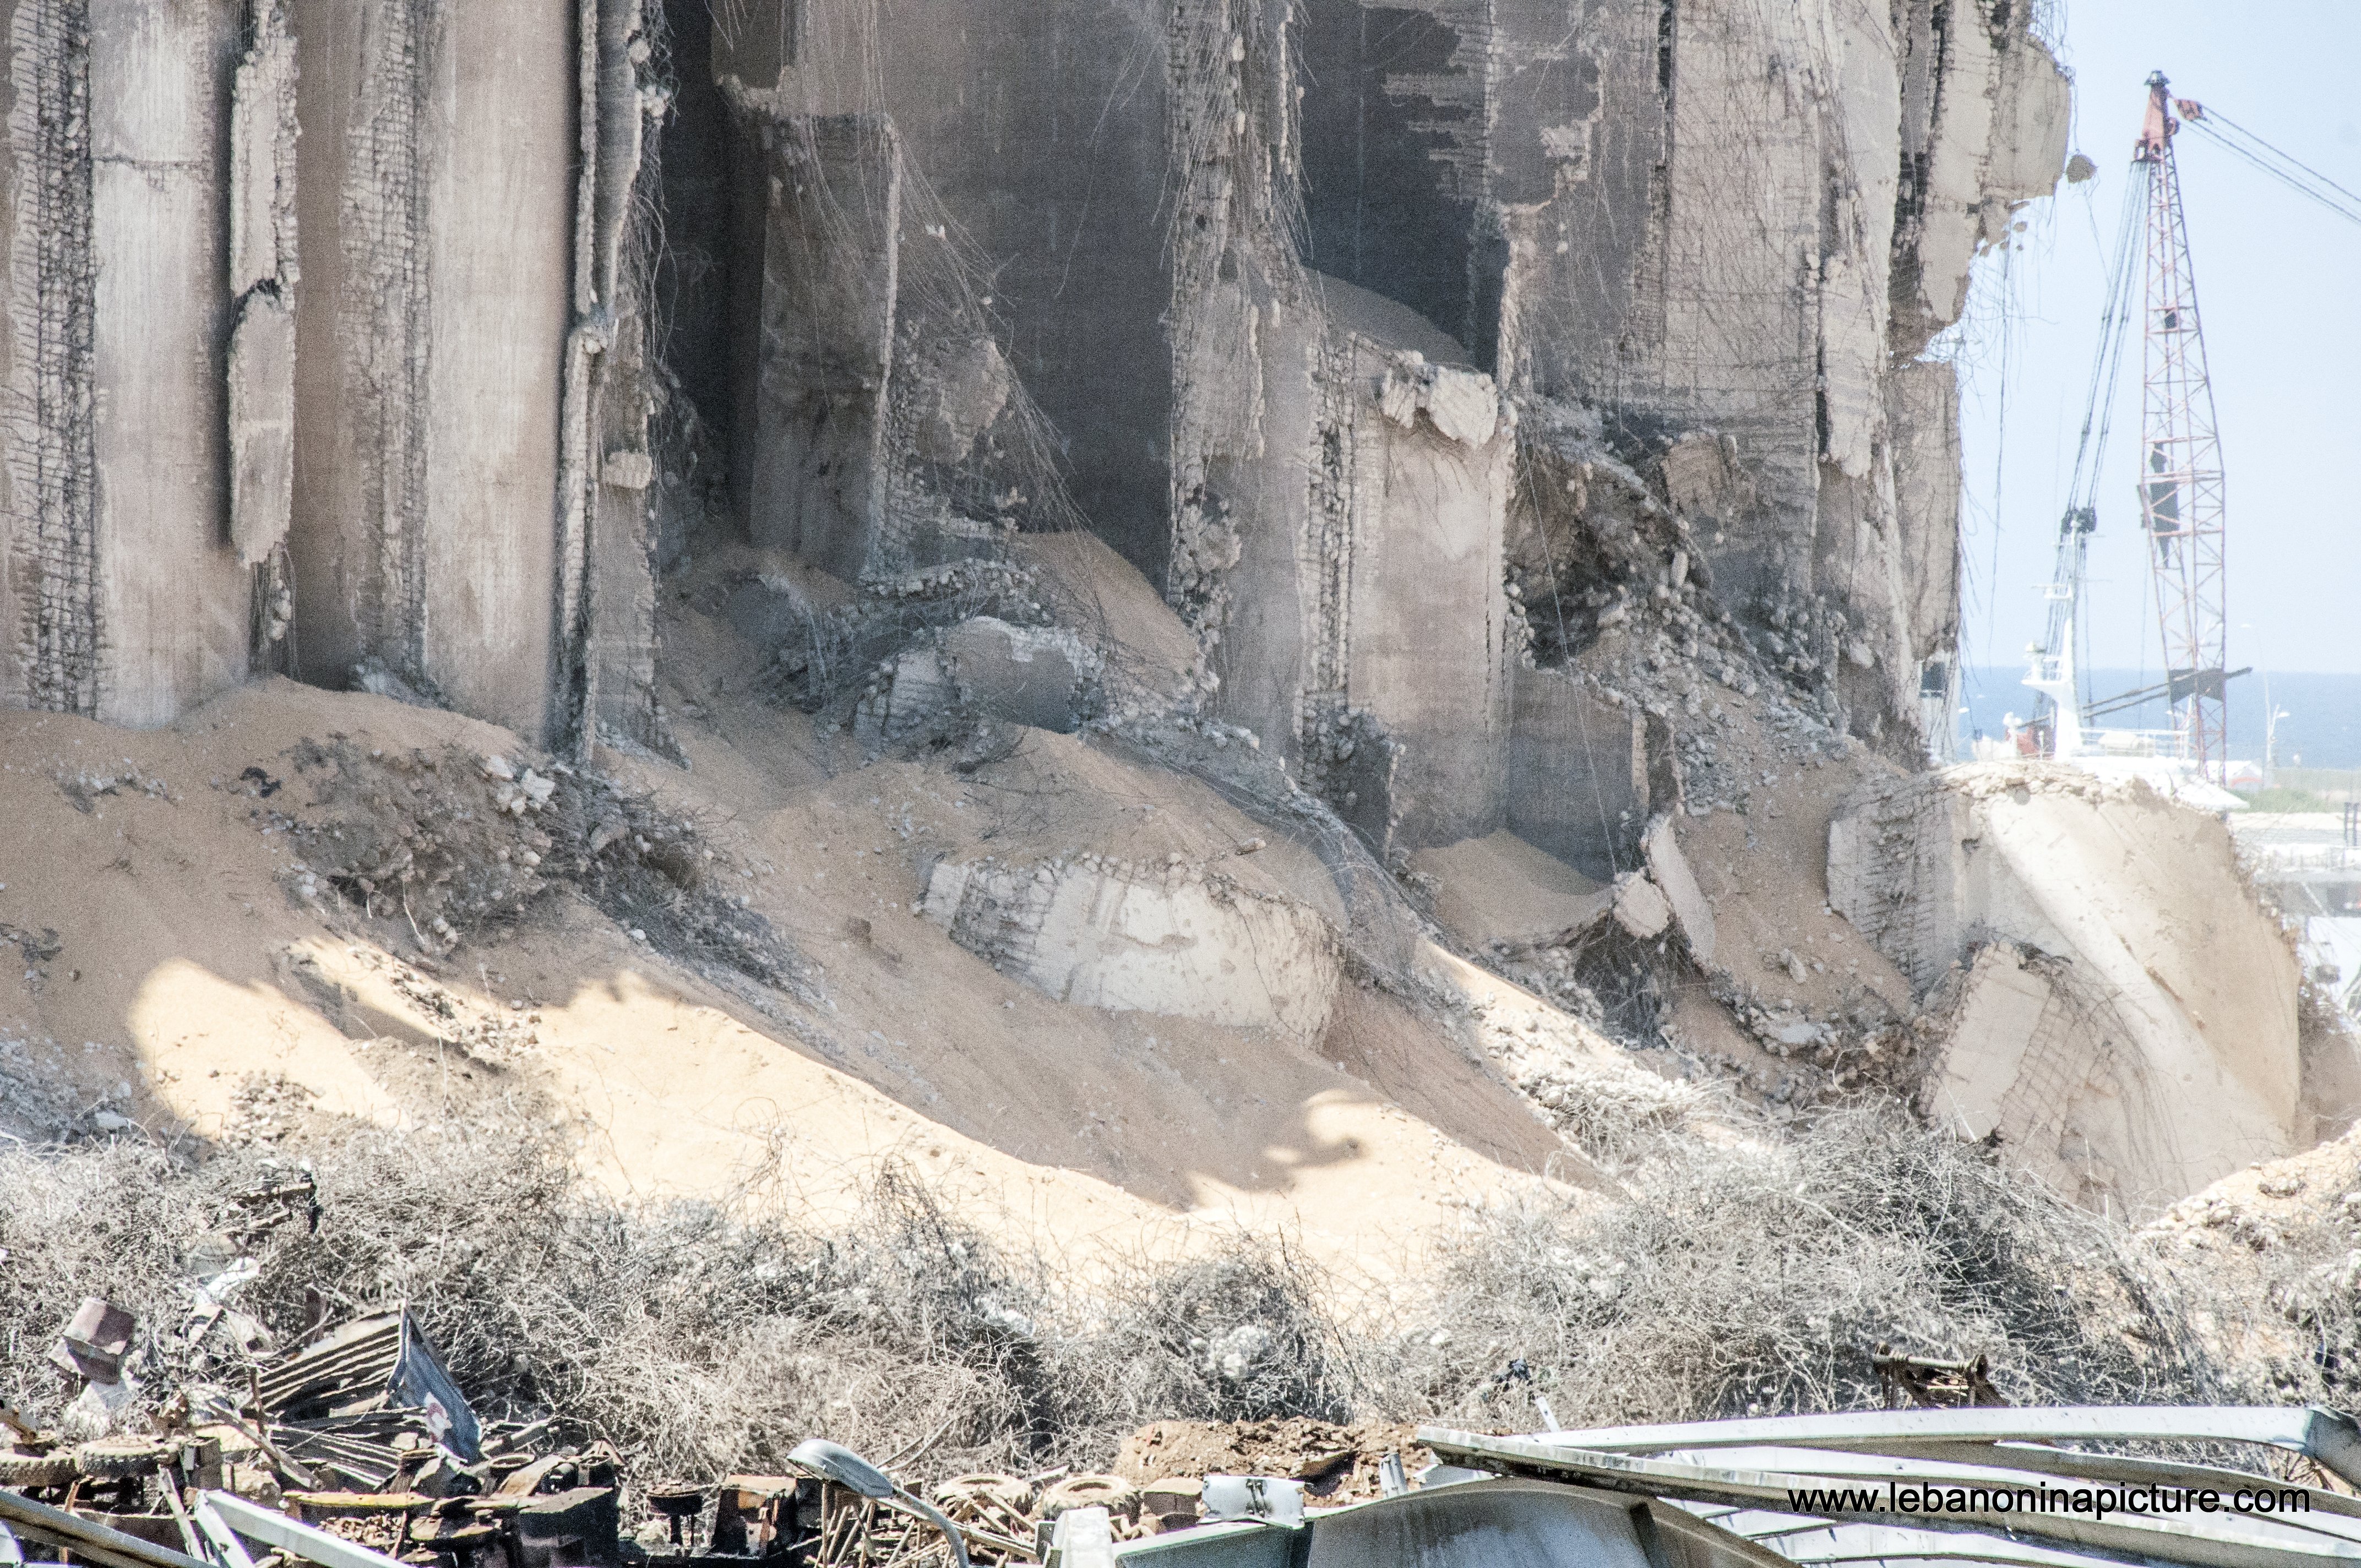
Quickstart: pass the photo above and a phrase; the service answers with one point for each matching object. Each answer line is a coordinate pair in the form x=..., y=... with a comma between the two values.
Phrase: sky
x=2279, y=283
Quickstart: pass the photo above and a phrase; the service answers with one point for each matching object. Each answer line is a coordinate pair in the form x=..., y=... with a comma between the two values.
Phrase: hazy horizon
x=2322, y=730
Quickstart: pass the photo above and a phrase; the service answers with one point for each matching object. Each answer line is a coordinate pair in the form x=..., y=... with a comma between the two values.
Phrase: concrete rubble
x=1040, y=676
x=2114, y=1004
x=1316, y=404
x=1494, y=467
x=1226, y=643
x=1175, y=938
x=1500, y=894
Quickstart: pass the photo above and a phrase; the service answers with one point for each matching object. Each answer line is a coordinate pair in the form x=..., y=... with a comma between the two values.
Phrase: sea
x=2322, y=730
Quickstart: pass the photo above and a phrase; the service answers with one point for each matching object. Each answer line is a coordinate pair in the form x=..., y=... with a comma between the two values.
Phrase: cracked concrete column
x=829, y=277
x=436, y=197
x=263, y=275
x=50, y=567
x=617, y=623
x=151, y=351
x=500, y=171
x=173, y=601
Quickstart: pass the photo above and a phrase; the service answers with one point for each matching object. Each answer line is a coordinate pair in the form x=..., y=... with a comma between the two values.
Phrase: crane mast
x=2180, y=483
x=2054, y=674
x=2180, y=460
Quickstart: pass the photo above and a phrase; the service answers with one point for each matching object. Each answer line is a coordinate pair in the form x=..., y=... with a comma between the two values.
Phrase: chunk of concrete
x=983, y=666
x=1669, y=869
x=1180, y=942
x=1500, y=892
x=1640, y=907
x=2034, y=1056
x=627, y=470
x=1993, y=1020
x=1022, y=675
x=960, y=392
x=262, y=155
x=1464, y=405
x=915, y=690
x=1704, y=479
x=263, y=273
x=2170, y=990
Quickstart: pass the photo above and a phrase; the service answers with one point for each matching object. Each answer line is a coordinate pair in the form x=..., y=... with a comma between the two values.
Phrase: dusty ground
x=215, y=942
x=2306, y=1203
x=176, y=975
x=712, y=971
x=1337, y=1463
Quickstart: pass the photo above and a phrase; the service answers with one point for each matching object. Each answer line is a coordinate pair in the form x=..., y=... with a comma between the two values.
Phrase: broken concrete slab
x=1705, y=480
x=1670, y=871
x=1464, y=405
x=1990, y=1024
x=1174, y=939
x=1039, y=676
x=261, y=425
x=1034, y=675
x=263, y=127
x=2030, y=1054
x=2184, y=987
x=913, y=692
x=1640, y=907
x=1498, y=892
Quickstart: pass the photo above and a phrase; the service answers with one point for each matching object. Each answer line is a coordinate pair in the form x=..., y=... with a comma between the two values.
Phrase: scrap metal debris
x=95, y=1340
x=351, y=1399
x=1935, y=1385
x=354, y=1446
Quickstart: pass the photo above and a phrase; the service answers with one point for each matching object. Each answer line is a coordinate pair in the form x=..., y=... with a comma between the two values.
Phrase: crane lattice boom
x=2181, y=461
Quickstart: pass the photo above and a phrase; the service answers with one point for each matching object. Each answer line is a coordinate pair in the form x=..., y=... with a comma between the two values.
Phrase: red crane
x=2180, y=487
